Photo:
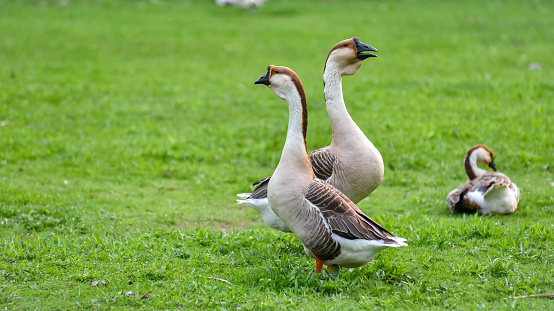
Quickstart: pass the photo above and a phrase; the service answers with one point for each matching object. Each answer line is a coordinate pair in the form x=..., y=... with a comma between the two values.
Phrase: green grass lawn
x=127, y=128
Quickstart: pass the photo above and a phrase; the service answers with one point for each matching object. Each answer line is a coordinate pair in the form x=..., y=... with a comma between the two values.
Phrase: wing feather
x=457, y=202
x=344, y=217
x=260, y=189
x=323, y=162
x=487, y=181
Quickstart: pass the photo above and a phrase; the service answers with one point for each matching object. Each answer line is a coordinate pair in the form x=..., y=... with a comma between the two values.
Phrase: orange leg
x=318, y=265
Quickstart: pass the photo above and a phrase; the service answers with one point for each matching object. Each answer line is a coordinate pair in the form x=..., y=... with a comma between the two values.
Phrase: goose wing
x=457, y=202
x=323, y=162
x=487, y=181
x=259, y=190
x=342, y=215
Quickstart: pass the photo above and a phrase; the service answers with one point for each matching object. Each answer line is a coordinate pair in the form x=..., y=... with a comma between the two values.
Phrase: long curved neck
x=472, y=170
x=341, y=121
x=295, y=154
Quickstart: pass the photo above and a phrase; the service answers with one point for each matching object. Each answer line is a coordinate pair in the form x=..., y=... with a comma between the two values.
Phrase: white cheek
x=351, y=69
x=343, y=53
x=277, y=90
x=280, y=83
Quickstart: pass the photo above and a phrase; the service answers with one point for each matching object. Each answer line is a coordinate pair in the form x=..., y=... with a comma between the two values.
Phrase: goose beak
x=265, y=78
x=362, y=47
x=492, y=165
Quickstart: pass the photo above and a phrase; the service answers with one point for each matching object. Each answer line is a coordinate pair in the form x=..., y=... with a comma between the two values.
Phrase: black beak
x=362, y=47
x=265, y=78
x=492, y=165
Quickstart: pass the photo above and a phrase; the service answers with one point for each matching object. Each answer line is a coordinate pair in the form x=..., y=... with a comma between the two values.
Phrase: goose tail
x=243, y=196
x=259, y=205
x=396, y=242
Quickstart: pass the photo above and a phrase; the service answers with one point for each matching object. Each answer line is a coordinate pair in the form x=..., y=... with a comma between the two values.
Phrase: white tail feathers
x=243, y=196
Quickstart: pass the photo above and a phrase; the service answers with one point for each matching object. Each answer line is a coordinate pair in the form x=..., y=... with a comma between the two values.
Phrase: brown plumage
x=485, y=192
x=332, y=229
x=467, y=163
x=354, y=166
x=260, y=188
x=458, y=202
x=344, y=217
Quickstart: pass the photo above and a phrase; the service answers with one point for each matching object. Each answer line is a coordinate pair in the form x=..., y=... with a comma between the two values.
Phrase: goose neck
x=472, y=170
x=295, y=153
x=341, y=121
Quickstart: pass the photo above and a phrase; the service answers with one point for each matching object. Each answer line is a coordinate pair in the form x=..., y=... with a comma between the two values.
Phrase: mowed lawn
x=127, y=128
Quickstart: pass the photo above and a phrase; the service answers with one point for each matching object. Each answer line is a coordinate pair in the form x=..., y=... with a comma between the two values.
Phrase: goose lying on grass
x=350, y=163
x=240, y=3
x=333, y=230
x=485, y=192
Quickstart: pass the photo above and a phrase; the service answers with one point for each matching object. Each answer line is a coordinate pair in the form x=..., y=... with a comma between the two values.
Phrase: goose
x=351, y=162
x=241, y=3
x=485, y=192
x=332, y=229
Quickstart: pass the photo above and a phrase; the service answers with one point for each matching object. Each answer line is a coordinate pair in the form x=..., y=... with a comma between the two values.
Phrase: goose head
x=282, y=81
x=286, y=84
x=347, y=56
x=479, y=154
x=482, y=155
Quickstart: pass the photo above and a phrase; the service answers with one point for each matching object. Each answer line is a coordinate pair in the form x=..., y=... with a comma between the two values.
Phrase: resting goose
x=240, y=3
x=350, y=163
x=332, y=229
x=485, y=192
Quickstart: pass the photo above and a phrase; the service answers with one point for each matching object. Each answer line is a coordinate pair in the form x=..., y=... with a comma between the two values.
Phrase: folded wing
x=343, y=216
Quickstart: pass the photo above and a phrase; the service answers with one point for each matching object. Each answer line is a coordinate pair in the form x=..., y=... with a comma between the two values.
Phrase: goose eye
x=276, y=71
x=346, y=44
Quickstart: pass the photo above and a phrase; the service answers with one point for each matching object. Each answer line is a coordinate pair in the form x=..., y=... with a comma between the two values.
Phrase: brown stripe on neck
x=467, y=164
x=300, y=88
x=469, y=170
x=480, y=146
x=302, y=94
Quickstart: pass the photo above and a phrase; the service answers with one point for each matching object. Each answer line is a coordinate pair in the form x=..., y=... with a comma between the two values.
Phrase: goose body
x=351, y=162
x=332, y=229
x=240, y=3
x=485, y=192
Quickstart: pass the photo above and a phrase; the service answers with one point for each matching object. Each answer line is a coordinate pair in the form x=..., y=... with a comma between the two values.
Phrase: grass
x=126, y=128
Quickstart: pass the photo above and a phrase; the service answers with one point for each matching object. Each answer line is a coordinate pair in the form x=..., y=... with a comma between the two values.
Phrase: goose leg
x=318, y=266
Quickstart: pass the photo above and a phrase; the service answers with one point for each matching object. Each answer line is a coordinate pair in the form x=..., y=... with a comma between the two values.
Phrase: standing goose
x=350, y=163
x=332, y=229
x=485, y=192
